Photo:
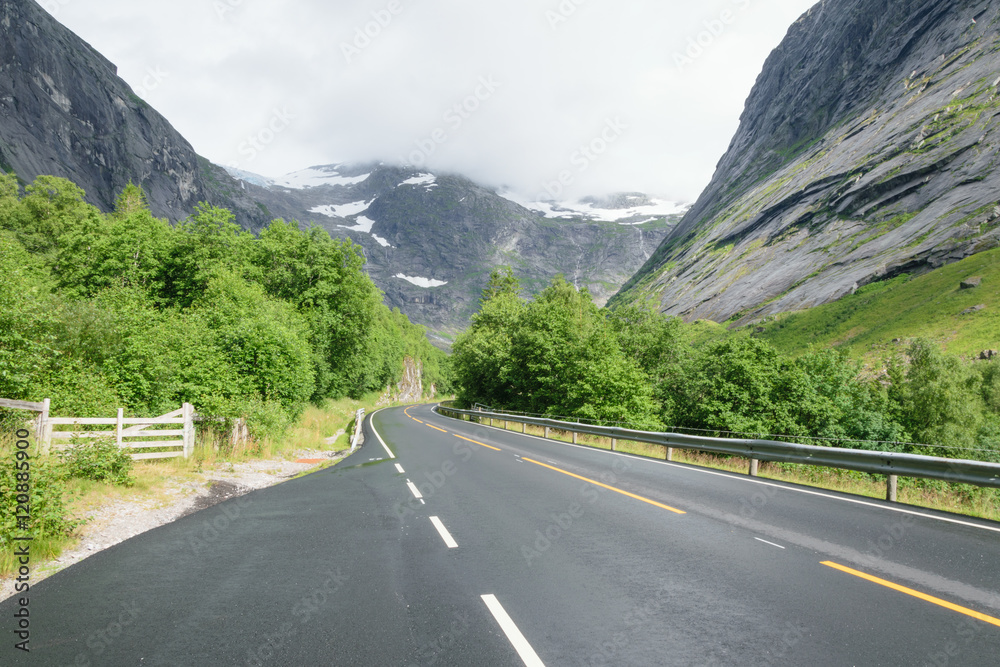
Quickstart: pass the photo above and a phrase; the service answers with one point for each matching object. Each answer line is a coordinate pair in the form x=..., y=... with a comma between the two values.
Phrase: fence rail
x=892, y=464
x=138, y=427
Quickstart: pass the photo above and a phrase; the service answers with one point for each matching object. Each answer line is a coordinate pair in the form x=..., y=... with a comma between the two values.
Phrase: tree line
x=122, y=309
x=560, y=355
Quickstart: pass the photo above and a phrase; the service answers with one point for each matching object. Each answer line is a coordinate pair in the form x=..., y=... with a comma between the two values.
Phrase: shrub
x=100, y=460
x=47, y=506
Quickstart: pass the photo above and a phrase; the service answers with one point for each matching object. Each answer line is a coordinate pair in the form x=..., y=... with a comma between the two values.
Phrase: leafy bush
x=47, y=504
x=98, y=459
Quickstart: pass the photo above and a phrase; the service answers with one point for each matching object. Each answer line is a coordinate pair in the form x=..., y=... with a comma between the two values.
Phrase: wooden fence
x=128, y=433
x=131, y=432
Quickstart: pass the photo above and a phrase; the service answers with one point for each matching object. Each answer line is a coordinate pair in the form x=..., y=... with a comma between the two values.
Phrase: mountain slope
x=431, y=240
x=65, y=112
x=867, y=147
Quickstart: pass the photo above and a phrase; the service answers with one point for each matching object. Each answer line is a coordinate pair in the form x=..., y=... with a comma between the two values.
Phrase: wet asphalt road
x=525, y=551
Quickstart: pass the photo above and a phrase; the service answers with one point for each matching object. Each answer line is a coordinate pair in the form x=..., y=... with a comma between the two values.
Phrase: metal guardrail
x=893, y=464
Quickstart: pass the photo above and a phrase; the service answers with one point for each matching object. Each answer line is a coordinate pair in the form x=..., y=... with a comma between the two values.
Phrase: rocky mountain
x=867, y=148
x=431, y=240
x=65, y=112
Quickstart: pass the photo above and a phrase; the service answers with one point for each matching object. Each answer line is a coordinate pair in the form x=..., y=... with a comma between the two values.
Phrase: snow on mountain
x=317, y=176
x=342, y=210
x=361, y=224
x=422, y=282
x=623, y=208
x=427, y=180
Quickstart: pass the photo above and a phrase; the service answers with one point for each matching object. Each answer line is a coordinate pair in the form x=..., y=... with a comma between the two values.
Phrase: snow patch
x=427, y=180
x=342, y=210
x=651, y=209
x=381, y=241
x=422, y=282
x=317, y=176
x=361, y=224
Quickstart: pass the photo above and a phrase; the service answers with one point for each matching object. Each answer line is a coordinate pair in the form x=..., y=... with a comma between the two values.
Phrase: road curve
x=449, y=543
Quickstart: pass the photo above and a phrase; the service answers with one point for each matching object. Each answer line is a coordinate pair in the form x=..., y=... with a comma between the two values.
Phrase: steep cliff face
x=65, y=112
x=867, y=148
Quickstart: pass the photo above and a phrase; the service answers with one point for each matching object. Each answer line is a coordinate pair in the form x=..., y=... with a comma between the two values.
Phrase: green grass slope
x=929, y=306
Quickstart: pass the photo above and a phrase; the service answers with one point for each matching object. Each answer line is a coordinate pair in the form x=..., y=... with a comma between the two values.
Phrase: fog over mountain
x=517, y=94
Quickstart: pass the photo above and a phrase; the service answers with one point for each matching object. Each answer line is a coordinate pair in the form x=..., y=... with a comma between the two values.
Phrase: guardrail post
x=574, y=437
x=546, y=432
x=670, y=453
x=753, y=467
x=505, y=424
x=614, y=444
x=890, y=491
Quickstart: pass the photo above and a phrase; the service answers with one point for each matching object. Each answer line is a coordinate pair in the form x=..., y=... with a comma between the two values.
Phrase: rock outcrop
x=64, y=111
x=867, y=148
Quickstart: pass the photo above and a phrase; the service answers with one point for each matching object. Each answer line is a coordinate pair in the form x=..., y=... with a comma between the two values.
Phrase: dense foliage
x=560, y=355
x=99, y=311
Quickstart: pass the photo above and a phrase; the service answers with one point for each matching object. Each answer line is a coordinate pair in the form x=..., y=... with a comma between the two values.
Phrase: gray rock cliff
x=867, y=148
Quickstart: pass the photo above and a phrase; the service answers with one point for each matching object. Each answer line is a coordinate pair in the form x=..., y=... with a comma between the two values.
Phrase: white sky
x=273, y=87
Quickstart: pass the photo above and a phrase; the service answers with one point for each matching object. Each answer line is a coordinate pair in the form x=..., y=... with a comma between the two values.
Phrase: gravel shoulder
x=119, y=520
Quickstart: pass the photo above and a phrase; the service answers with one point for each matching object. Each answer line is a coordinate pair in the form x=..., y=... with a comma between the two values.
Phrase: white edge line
x=400, y=469
x=749, y=480
x=371, y=422
x=771, y=543
x=521, y=645
x=445, y=535
x=413, y=489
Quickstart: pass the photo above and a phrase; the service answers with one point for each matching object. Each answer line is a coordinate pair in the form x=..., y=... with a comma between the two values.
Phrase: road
x=525, y=551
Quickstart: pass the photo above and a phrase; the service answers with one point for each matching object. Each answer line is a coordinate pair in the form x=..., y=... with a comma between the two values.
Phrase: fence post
x=118, y=427
x=890, y=491
x=43, y=418
x=188, y=430
x=753, y=467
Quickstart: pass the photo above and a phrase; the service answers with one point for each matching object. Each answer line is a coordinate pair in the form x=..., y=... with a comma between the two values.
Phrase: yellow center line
x=476, y=442
x=436, y=428
x=916, y=594
x=610, y=488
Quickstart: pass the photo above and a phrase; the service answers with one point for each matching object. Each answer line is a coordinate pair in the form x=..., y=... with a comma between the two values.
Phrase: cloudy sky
x=541, y=96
